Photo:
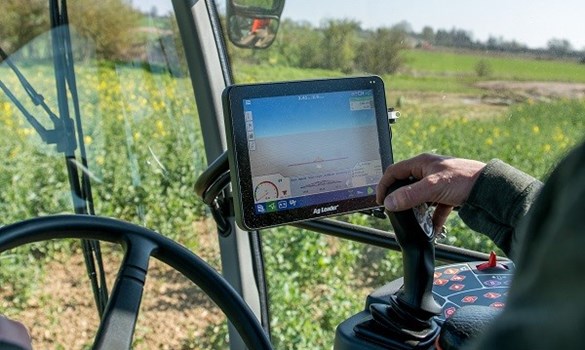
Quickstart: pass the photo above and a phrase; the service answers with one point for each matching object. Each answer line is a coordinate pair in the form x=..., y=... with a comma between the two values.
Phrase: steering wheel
x=116, y=328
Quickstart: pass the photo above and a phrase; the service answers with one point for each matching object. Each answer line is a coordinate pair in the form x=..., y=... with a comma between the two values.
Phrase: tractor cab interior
x=240, y=143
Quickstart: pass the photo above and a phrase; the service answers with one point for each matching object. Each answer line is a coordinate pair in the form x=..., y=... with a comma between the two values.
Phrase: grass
x=246, y=74
x=454, y=64
x=435, y=71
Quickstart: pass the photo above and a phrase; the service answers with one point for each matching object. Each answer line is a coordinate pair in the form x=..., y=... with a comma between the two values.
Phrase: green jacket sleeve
x=500, y=198
x=545, y=308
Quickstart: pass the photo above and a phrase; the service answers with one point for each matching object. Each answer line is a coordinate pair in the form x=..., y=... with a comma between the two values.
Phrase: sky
x=287, y=115
x=531, y=22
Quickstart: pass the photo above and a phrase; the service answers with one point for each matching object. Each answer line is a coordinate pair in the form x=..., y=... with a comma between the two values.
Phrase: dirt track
x=536, y=90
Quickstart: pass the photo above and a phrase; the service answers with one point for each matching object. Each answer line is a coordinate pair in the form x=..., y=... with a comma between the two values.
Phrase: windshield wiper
x=53, y=136
x=79, y=183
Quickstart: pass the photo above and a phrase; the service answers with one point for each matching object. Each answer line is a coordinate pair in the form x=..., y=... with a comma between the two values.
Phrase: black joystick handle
x=407, y=321
x=415, y=235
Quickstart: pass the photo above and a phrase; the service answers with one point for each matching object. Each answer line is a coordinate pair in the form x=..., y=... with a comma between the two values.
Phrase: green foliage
x=213, y=337
x=296, y=45
x=21, y=24
x=380, y=52
x=111, y=26
x=530, y=136
x=454, y=65
x=264, y=73
x=339, y=43
x=265, y=4
x=19, y=273
x=108, y=29
x=483, y=68
x=311, y=272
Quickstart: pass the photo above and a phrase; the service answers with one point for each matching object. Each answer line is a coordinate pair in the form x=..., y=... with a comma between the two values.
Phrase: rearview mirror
x=253, y=23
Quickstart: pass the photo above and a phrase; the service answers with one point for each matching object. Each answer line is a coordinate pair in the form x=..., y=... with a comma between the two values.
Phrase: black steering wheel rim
x=140, y=244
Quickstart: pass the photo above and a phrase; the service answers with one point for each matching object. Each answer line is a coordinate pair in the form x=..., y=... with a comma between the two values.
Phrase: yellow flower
x=535, y=129
x=546, y=148
x=489, y=141
x=496, y=132
x=87, y=140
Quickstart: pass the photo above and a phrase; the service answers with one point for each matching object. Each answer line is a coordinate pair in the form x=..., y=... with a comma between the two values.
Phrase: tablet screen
x=307, y=151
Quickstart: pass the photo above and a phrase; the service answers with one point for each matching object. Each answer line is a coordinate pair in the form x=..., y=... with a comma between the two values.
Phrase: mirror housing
x=253, y=24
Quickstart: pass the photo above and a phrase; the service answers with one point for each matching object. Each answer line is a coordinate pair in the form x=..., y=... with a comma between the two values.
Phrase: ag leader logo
x=324, y=210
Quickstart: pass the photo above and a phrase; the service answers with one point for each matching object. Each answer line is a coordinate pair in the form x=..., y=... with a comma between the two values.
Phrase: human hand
x=445, y=182
x=14, y=333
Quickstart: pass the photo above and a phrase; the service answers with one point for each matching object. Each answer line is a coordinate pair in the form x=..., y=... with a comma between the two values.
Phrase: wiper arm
x=49, y=136
x=36, y=98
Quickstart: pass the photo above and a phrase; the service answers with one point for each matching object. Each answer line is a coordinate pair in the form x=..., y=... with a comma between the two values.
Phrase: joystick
x=407, y=321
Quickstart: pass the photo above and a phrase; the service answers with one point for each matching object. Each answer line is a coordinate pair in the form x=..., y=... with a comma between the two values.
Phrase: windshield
x=473, y=80
x=117, y=133
x=110, y=128
x=120, y=112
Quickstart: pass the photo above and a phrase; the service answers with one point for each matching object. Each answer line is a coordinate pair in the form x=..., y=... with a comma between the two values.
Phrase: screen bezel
x=238, y=152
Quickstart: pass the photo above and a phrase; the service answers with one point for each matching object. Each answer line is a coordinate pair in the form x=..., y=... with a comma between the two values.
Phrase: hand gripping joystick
x=407, y=321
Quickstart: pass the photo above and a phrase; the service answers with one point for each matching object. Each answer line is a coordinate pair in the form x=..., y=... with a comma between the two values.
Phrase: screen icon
x=248, y=116
x=249, y=126
x=271, y=206
x=292, y=202
x=252, y=145
x=282, y=205
x=260, y=209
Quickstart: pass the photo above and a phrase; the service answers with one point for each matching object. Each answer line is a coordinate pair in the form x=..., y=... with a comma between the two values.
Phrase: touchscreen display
x=305, y=149
x=312, y=149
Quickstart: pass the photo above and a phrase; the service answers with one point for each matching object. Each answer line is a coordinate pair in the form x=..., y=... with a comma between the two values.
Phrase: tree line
x=336, y=45
x=114, y=30
x=343, y=45
x=107, y=28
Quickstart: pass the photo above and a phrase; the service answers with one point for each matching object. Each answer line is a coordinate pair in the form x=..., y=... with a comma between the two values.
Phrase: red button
x=441, y=282
x=498, y=305
x=457, y=278
x=457, y=286
x=492, y=295
x=451, y=271
x=469, y=299
x=450, y=311
x=491, y=263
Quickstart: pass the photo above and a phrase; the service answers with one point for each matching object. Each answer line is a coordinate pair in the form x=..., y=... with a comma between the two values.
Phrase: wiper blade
x=35, y=97
x=49, y=136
